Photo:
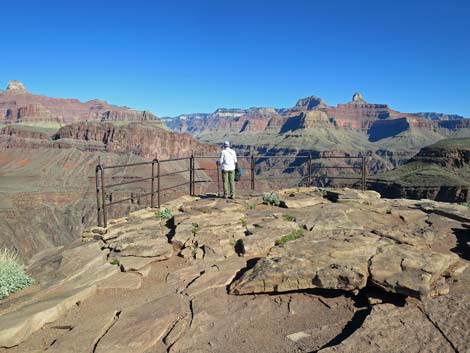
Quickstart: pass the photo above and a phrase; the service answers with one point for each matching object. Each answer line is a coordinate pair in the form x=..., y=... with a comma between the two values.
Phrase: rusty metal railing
x=199, y=172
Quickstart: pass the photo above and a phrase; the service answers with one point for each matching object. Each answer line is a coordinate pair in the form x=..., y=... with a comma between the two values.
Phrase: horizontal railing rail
x=200, y=171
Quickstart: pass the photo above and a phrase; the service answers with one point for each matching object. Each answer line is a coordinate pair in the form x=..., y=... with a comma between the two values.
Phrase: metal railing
x=199, y=172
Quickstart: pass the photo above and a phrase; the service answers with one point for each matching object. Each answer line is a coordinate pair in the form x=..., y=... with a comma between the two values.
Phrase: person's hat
x=226, y=144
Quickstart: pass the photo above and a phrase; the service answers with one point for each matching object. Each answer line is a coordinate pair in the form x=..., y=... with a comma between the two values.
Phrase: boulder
x=352, y=195
x=339, y=261
x=406, y=270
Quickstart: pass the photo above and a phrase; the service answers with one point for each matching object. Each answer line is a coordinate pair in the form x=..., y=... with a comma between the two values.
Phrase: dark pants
x=229, y=181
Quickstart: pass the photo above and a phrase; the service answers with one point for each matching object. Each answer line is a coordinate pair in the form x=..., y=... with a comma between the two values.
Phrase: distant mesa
x=16, y=86
x=18, y=105
x=357, y=98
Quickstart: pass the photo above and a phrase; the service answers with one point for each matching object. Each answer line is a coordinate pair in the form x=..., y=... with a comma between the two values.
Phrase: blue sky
x=181, y=56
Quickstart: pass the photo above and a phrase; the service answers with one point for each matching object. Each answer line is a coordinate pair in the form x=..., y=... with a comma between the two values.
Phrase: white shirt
x=228, y=158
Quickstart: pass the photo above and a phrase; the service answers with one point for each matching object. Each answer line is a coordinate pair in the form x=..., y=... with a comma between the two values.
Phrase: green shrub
x=244, y=223
x=466, y=204
x=12, y=274
x=251, y=206
x=165, y=214
x=195, y=228
x=295, y=234
x=271, y=199
x=115, y=262
x=288, y=218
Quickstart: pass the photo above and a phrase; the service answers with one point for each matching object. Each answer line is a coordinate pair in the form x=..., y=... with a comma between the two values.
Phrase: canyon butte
x=388, y=138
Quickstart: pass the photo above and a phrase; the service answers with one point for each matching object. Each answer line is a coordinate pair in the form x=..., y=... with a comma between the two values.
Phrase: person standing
x=228, y=161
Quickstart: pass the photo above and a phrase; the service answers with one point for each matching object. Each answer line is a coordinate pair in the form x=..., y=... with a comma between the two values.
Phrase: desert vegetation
x=12, y=274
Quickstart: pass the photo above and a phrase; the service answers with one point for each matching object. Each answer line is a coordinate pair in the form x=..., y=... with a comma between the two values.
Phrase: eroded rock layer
x=344, y=271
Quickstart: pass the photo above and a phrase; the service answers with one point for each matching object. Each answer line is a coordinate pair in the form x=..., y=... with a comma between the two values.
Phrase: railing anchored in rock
x=260, y=172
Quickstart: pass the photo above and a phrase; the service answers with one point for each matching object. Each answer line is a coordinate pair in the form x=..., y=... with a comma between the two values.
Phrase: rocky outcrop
x=19, y=105
x=17, y=86
x=310, y=103
x=149, y=284
x=357, y=98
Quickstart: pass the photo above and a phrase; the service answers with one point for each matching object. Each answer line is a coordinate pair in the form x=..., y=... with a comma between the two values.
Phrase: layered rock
x=133, y=286
x=438, y=172
x=19, y=105
x=147, y=141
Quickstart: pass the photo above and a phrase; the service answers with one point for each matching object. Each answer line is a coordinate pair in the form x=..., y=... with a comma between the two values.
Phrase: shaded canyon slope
x=438, y=172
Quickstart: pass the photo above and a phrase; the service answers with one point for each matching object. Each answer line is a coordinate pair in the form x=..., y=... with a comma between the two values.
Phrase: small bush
x=251, y=206
x=271, y=199
x=466, y=204
x=115, y=262
x=243, y=220
x=195, y=228
x=295, y=234
x=12, y=275
x=288, y=218
x=165, y=214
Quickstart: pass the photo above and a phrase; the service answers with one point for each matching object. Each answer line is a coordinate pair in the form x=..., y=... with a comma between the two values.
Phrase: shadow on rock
x=462, y=248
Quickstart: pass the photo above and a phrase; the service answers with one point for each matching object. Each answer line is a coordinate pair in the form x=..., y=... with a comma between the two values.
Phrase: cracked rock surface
x=328, y=271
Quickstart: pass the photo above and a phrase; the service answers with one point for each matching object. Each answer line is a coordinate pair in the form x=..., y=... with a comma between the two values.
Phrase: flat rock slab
x=389, y=329
x=122, y=280
x=158, y=248
x=329, y=217
x=55, y=266
x=215, y=276
x=338, y=262
x=132, y=263
x=302, y=201
x=83, y=338
x=143, y=214
x=460, y=213
x=70, y=277
x=416, y=236
x=406, y=270
x=346, y=195
x=140, y=328
x=452, y=316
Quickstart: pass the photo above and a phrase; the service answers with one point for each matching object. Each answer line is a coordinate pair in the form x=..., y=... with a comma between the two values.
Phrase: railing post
x=158, y=183
x=364, y=171
x=152, y=195
x=97, y=171
x=252, y=167
x=309, y=179
x=191, y=159
x=194, y=176
x=103, y=193
x=218, y=178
